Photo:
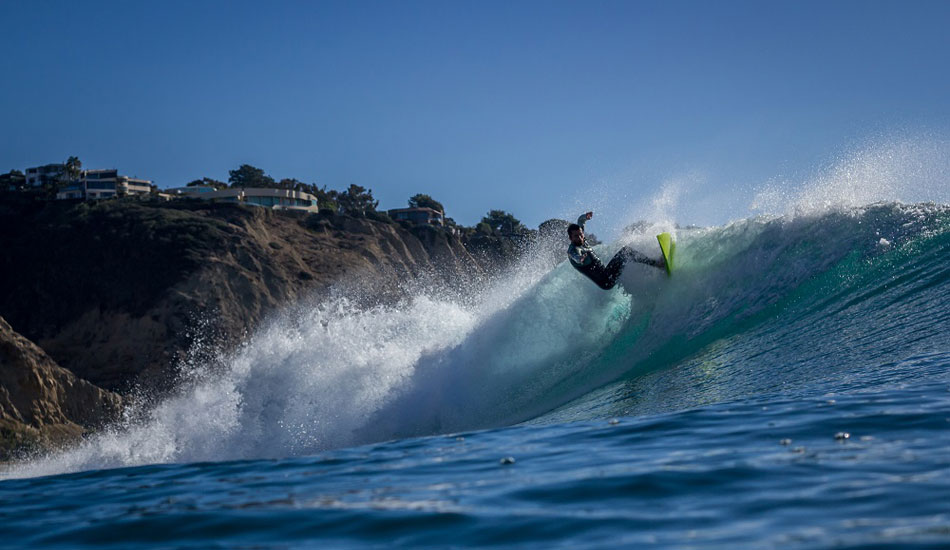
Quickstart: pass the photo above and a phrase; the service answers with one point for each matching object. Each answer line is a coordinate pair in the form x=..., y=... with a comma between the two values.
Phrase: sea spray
x=339, y=375
x=532, y=340
x=884, y=170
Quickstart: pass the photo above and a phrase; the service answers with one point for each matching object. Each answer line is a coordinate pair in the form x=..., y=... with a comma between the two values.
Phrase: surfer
x=583, y=259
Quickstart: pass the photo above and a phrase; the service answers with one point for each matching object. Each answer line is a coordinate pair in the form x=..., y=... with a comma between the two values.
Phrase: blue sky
x=538, y=108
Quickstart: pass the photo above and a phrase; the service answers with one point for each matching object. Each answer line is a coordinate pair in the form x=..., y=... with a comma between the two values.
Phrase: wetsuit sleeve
x=575, y=255
x=582, y=220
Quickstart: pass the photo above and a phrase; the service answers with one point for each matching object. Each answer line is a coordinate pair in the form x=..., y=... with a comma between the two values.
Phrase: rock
x=43, y=405
x=122, y=292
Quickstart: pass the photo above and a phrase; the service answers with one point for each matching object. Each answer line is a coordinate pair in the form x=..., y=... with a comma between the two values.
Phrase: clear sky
x=538, y=108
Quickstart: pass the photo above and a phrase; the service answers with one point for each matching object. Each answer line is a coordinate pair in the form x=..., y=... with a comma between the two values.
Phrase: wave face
x=788, y=306
x=752, y=303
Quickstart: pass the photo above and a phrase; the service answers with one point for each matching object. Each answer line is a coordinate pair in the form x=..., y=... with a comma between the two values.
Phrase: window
x=100, y=185
x=263, y=201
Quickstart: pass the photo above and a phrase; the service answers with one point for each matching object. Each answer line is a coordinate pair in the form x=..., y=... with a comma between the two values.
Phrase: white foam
x=303, y=383
x=337, y=375
x=331, y=376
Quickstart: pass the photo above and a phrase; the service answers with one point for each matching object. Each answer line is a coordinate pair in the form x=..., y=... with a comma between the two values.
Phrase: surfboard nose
x=668, y=247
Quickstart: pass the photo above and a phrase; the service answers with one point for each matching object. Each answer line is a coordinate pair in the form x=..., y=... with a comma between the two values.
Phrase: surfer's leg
x=634, y=256
x=598, y=273
x=605, y=277
x=619, y=260
x=607, y=283
x=627, y=254
x=615, y=267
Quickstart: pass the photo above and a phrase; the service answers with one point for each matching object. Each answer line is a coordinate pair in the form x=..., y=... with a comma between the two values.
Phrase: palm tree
x=73, y=169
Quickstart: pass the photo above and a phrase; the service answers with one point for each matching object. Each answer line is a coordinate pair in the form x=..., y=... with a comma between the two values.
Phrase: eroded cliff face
x=43, y=405
x=118, y=292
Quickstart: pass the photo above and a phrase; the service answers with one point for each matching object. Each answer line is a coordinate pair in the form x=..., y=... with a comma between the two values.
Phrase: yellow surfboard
x=668, y=246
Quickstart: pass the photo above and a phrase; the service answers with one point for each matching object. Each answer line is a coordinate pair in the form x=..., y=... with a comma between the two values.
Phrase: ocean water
x=788, y=387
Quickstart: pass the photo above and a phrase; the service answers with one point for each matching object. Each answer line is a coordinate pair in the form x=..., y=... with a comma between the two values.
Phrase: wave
x=541, y=336
x=337, y=375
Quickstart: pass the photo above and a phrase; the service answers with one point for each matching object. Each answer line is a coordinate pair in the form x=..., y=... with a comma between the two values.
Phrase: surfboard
x=668, y=246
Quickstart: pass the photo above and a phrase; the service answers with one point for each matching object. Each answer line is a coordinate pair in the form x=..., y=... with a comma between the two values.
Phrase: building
x=39, y=176
x=104, y=184
x=419, y=215
x=194, y=191
x=268, y=197
x=12, y=180
x=74, y=191
x=99, y=184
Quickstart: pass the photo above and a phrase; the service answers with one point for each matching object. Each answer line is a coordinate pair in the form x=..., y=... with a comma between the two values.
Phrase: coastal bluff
x=119, y=292
x=43, y=405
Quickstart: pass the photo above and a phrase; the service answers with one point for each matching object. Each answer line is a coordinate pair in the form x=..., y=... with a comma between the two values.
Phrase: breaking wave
x=337, y=375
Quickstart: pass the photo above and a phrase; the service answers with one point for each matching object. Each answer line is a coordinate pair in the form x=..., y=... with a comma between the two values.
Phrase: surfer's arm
x=583, y=218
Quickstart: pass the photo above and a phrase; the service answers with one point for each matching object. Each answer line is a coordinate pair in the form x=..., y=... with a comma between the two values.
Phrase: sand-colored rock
x=41, y=403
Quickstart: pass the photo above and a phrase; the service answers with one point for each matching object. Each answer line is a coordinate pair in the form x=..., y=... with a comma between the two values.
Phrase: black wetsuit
x=584, y=260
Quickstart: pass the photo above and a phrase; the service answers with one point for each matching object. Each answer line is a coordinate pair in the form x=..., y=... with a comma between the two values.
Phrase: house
x=268, y=197
x=104, y=184
x=420, y=215
x=194, y=191
x=38, y=176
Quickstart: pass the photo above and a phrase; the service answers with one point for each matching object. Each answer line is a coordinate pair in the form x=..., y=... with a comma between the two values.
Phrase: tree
x=504, y=223
x=72, y=170
x=249, y=176
x=357, y=200
x=425, y=201
x=293, y=184
x=326, y=200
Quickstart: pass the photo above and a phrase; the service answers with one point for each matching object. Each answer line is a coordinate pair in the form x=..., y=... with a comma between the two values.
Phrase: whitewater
x=788, y=386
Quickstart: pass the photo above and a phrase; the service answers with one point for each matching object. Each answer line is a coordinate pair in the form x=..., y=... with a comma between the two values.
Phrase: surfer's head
x=576, y=234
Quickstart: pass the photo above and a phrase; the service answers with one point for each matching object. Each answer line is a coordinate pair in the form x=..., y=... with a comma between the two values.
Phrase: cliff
x=43, y=405
x=118, y=291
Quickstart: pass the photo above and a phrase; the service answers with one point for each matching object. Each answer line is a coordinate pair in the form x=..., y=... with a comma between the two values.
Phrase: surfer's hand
x=589, y=215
